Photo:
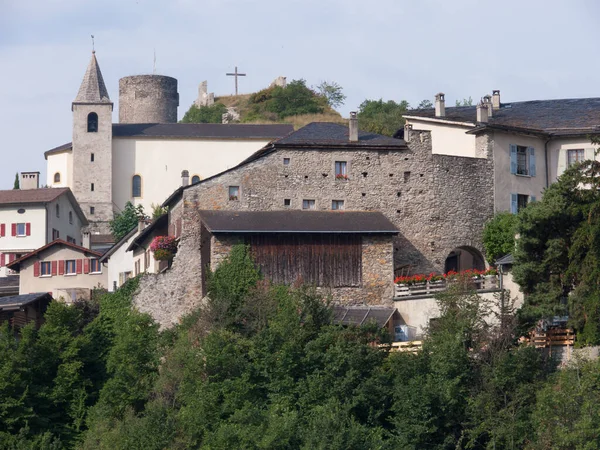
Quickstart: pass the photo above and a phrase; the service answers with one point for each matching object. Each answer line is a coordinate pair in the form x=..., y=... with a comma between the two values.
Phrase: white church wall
x=160, y=162
x=59, y=163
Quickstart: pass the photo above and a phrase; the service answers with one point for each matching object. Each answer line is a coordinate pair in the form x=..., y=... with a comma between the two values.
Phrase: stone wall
x=148, y=99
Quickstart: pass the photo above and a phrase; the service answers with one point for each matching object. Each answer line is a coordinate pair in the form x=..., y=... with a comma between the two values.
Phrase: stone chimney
x=353, y=127
x=440, y=105
x=30, y=180
x=496, y=99
x=482, y=112
x=487, y=101
x=185, y=178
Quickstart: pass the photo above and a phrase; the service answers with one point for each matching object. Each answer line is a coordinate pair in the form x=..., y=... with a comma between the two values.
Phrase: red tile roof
x=15, y=265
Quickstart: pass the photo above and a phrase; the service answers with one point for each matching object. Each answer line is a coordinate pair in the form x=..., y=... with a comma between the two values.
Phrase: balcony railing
x=430, y=288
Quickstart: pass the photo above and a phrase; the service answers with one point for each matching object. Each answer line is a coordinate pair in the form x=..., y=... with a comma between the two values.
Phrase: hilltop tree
x=382, y=117
x=465, y=102
x=16, y=184
x=333, y=92
x=425, y=104
x=205, y=114
x=126, y=220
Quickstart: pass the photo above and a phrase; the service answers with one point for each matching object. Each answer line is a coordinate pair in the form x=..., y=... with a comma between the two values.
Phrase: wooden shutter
x=61, y=267
x=27, y=229
x=513, y=158
x=86, y=265
x=11, y=257
x=590, y=154
x=3, y=230
x=79, y=265
x=562, y=162
x=36, y=269
x=54, y=267
x=2, y=260
x=514, y=203
x=14, y=229
x=531, y=152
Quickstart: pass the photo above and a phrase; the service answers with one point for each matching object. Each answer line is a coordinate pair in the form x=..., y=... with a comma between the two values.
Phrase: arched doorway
x=463, y=258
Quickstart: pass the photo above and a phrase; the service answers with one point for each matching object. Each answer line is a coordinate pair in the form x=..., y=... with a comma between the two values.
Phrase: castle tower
x=148, y=99
x=92, y=149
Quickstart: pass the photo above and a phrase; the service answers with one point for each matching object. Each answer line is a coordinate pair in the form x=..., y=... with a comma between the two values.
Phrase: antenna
x=154, y=68
x=93, y=49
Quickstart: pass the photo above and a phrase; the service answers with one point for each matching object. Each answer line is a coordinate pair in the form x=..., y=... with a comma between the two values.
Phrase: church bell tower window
x=92, y=122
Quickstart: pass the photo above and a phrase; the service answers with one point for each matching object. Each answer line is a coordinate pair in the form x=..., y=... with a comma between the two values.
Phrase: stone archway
x=463, y=258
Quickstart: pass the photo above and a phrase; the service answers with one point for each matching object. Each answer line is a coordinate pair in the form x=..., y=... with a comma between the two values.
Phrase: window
x=92, y=122
x=71, y=240
x=519, y=201
x=55, y=234
x=234, y=193
x=575, y=156
x=146, y=260
x=46, y=269
x=286, y=161
x=71, y=217
x=337, y=204
x=340, y=170
x=92, y=187
x=92, y=210
x=92, y=157
x=522, y=160
x=308, y=204
x=136, y=268
x=287, y=201
x=57, y=210
x=195, y=179
x=57, y=177
x=21, y=229
x=136, y=186
x=95, y=266
x=70, y=267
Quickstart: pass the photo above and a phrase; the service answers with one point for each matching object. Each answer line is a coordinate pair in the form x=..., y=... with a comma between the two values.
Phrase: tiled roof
x=161, y=222
x=92, y=89
x=362, y=315
x=580, y=115
x=16, y=264
x=296, y=221
x=16, y=301
x=334, y=134
x=117, y=245
x=202, y=130
x=18, y=196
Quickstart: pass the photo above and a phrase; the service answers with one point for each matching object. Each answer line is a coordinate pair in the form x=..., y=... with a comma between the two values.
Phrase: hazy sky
x=390, y=49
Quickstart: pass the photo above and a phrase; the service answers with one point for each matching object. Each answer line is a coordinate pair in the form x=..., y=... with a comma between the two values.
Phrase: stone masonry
x=148, y=99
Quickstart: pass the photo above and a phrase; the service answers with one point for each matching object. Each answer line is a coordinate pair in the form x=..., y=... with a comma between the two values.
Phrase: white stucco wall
x=557, y=153
x=61, y=163
x=448, y=139
x=36, y=216
x=506, y=183
x=120, y=261
x=61, y=223
x=160, y=162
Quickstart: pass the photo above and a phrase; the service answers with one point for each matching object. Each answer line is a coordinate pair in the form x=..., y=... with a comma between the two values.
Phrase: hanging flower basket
x=164, y=247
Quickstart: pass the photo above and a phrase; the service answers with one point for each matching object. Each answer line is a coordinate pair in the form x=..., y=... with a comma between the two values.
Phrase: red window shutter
x=61, y=267
x=27, y=229
x=54, y=266
x=86, y=266
x=36, y=269
x=11, y=257
x=79, y=265
x=3, y=230
x=14, y=229
x=2, y=260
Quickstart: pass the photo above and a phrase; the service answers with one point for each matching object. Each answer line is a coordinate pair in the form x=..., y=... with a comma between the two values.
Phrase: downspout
x=47, y=234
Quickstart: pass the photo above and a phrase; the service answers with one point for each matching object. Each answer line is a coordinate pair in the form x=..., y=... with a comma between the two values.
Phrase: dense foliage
x=382, y=117
x=558, y=252
x=16, y=184
x=264, y=367
x=126, y=220
x=499, y=236
x=205, y=114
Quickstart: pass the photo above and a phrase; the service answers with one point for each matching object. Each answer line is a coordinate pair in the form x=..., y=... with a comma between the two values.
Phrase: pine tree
x=16, y=184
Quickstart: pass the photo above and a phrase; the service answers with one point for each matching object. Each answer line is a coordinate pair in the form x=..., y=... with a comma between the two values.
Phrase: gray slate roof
x=92, y=89
x=296, y=221
x=16, y=301
x=362, y=315
x=327, y=133
x=202, y=130
x=566, y=116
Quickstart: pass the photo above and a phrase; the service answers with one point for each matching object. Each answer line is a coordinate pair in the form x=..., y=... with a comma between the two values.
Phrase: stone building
x=141, y=158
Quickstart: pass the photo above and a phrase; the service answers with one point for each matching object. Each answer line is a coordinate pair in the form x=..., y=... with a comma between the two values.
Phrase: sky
x=389, y=49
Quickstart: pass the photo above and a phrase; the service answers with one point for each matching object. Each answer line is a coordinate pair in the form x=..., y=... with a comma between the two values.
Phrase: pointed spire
x=93, y=89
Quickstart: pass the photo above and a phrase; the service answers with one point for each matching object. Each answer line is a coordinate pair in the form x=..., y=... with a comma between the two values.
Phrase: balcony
x=403, y=291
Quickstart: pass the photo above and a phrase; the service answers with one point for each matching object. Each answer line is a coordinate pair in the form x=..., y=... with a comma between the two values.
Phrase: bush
x=499, y=236
x=205, y=114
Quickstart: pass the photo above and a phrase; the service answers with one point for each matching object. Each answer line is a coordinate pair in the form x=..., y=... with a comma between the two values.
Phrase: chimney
x=353, y=127
x=141, y=225
x=482, y=112
x=185, y=178
x=496, y=99
x=487, y=101
x=30, y=180
x=440, y=105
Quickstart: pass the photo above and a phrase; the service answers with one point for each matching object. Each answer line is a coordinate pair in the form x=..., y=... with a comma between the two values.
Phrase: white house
x=532, y=142
x=32, y=218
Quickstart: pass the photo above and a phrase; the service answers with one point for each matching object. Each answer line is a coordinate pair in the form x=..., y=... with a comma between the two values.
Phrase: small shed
x=19, y=310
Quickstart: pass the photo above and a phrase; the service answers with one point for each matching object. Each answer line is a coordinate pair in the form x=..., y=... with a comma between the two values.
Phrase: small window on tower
x=92, y=157
x=92, y=210
x=92, y=122
x=92, y=187
x=57, y=177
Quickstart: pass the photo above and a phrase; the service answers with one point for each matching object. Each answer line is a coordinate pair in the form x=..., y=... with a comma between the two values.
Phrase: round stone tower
x=148, y=99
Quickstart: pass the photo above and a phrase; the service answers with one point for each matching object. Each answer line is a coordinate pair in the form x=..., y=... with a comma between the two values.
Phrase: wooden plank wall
x=323, y=260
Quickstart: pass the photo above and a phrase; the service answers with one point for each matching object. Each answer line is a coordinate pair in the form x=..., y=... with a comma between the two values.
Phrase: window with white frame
x=46, y=268
x=95, y=266
x=337, y=204
x=575, y=156
x=341, y=170
x=308, y=204
x=70, y=267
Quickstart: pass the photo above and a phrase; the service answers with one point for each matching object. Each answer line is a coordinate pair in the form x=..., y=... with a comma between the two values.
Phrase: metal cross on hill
x=236, y=74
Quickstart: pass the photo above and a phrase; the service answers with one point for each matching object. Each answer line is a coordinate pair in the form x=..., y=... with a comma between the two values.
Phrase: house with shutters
x=32, y=217
x=530, y=143
x=64, y=269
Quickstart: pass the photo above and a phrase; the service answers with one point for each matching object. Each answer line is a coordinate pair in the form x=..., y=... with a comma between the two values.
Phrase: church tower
x=92, y=149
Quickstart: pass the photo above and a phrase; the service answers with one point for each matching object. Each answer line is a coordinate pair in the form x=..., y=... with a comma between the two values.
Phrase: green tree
x=205, y=114
x=333, y=92
x=425, y=104
x=499, y=235
x=126, y=220
x=16, y=184
x=465, y=102
x=158, y=211
x=382, y=117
